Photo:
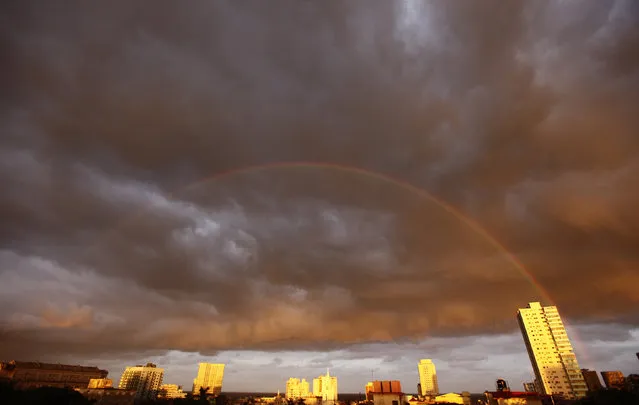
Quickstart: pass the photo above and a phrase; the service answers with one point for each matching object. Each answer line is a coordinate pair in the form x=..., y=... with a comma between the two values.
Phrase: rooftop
x=13, y=364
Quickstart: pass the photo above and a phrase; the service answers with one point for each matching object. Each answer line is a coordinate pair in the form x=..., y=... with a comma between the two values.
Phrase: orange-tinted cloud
x=523, y=116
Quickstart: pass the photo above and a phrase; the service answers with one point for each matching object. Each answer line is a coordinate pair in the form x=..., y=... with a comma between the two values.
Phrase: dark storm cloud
x=522, y=115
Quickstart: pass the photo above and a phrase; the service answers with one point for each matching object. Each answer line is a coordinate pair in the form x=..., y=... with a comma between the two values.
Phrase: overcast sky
x=115, y=249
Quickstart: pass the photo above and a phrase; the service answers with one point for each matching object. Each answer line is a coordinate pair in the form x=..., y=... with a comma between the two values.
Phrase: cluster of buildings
x=377, y=392
x=555, y=366
x=137, y=383
x=324, y=389
x=147, y=380
x=390, y=392
x=554, y=363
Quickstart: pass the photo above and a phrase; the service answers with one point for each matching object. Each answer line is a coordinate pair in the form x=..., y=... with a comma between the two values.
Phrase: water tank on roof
x=502, y=385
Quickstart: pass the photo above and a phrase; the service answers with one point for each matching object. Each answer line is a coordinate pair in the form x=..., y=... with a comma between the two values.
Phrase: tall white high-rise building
x=209, y=377
x=296, y=388
x=145, y=380
x=427, y=377
x=553, y=360
x=325, y=387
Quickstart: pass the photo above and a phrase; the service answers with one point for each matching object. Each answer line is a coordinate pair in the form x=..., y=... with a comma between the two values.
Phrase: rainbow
x=422, y=193
x=474, y=225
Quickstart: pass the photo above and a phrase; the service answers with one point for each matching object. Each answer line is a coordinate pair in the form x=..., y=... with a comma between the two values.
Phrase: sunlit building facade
x=296, y=388
x=171, y=391
x=325, y=386
x=427, y=377
x=370, y=387
x=100, y=383
x=613, y=379
x=551, y=355
x=145, y=380
x=209, y=377
x=454, y=398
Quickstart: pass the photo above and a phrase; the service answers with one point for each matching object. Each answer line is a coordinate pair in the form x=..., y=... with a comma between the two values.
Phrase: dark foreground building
x=592, y=380
x=25, y=374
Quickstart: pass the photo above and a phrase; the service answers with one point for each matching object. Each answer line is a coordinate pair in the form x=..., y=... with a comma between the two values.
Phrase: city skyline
x=343, y=185
x=277, y=368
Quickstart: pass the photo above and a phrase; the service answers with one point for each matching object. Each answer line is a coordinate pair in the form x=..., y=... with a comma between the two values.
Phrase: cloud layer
x=522, y=116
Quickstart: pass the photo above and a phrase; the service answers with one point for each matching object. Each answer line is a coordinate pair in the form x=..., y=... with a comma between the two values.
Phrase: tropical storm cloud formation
x=146, y=212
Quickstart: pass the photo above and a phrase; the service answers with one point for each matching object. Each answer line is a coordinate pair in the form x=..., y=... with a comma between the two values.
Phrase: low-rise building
x=27, y=374
x=108, y=396
x=171, y=391
x=613, y=379
x=100, y=383
x=415, y=401
x=592, y=380
x=632, y=383
x=453, y=398
x=514, y=398
x=385, y=392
